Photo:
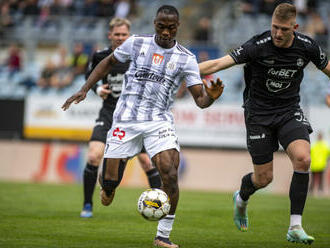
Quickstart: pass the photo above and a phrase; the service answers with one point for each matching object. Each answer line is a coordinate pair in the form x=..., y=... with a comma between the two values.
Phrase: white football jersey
x=153, y=78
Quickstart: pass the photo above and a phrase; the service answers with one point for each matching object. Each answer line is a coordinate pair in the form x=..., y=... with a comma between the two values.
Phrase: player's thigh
x=261, y=143
x=160, y=136
x=167, y=162
x=124, y=140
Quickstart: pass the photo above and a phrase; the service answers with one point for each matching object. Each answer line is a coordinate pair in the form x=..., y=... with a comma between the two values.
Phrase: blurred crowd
x=309, y=15
x=13, y=12
x=66, y=64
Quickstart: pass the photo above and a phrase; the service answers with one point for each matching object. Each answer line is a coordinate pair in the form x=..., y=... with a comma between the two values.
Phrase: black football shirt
x=273, y=75
x=114, y=78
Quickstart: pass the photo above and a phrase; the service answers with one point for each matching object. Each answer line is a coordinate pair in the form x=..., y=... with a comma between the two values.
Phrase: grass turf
x=44, y=215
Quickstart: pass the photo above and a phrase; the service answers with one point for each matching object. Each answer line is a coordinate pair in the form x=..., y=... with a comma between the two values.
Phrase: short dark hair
x=169, y=10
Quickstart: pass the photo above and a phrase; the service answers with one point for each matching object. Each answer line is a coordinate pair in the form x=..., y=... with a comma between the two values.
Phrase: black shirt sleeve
x=245, y=53
x=317, y=55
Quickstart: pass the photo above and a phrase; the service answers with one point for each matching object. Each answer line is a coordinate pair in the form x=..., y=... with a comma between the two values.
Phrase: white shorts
x=125, y=139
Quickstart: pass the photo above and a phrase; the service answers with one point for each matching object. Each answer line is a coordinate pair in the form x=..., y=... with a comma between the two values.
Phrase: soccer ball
x=154, y=204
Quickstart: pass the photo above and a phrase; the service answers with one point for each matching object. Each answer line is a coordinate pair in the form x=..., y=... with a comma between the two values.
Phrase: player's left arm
x=204, y=98
x=211, y=66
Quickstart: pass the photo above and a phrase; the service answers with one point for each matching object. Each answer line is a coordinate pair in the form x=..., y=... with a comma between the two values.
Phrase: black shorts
x=103, y=124
x=265, y=132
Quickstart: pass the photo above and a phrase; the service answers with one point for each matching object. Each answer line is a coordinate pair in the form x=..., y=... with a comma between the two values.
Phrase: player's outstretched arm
x=214, y=65
x=100, y=71
x=204, y=98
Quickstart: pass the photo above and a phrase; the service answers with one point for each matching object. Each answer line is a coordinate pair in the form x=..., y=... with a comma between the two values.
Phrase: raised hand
x=76, y=98
x=215, y=89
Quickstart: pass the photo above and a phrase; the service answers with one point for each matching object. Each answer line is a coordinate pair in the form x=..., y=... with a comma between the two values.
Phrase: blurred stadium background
x=44, y=49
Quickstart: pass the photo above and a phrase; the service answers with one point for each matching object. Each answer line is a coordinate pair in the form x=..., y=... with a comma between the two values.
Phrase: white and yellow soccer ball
x=153, y=204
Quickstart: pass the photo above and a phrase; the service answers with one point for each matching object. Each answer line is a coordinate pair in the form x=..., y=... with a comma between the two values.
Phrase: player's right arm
x=100, y=71
x=215, y=65
x=121, y=54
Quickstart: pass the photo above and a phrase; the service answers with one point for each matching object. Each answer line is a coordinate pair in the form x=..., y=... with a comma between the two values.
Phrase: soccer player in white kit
x=143, y=113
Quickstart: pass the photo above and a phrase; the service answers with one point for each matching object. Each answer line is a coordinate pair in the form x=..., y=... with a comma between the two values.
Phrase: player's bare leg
x=299, y=154
x=167, y=163
x=110, y=178
x=262, y=176
x=150, y=170
x=94, y=158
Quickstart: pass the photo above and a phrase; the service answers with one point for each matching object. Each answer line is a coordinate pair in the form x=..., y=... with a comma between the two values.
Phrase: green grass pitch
x=45, y=215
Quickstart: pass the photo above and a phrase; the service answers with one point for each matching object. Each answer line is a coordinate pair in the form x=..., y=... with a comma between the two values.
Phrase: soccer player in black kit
x=109, y=91
x=274, y=64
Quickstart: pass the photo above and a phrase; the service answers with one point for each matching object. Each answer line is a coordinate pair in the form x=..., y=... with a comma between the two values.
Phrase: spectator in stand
x=78, y=60
x=13, y=62
x=122, y=8
x=106, y=8
x=317, y=29
x=30, y=8
x=320, y=154
x=6, y=19
x=202, y=32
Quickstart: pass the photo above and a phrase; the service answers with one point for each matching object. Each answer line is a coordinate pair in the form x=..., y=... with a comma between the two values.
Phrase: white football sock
x=165, y=226
x=295, y=220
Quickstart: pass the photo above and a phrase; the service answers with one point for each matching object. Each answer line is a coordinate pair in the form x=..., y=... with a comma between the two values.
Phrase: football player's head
x=119, y=31
x=283, y=25
x=166, y=25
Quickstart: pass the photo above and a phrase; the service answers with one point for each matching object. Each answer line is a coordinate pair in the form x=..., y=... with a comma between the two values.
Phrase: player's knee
x=94, y=158
x=302, y=162
x=263, y=179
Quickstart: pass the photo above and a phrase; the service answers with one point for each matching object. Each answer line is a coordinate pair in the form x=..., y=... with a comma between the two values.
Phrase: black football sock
x=247, y=187
x=90, y=177
x=298, y=192
x=154, y=178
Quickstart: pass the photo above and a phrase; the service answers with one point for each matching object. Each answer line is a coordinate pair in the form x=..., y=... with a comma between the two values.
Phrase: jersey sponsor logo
x=164, y=133
x=275, y=85
x=282, y=73
x=300, y=62
x=118, y=133
x=263, y=41
x=150, y=76
x=157, y=59
x=258, y=136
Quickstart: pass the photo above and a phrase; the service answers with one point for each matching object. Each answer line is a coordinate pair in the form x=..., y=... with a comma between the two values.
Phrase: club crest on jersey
x=157, y=59
x=170, y=66
x=300, y=62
